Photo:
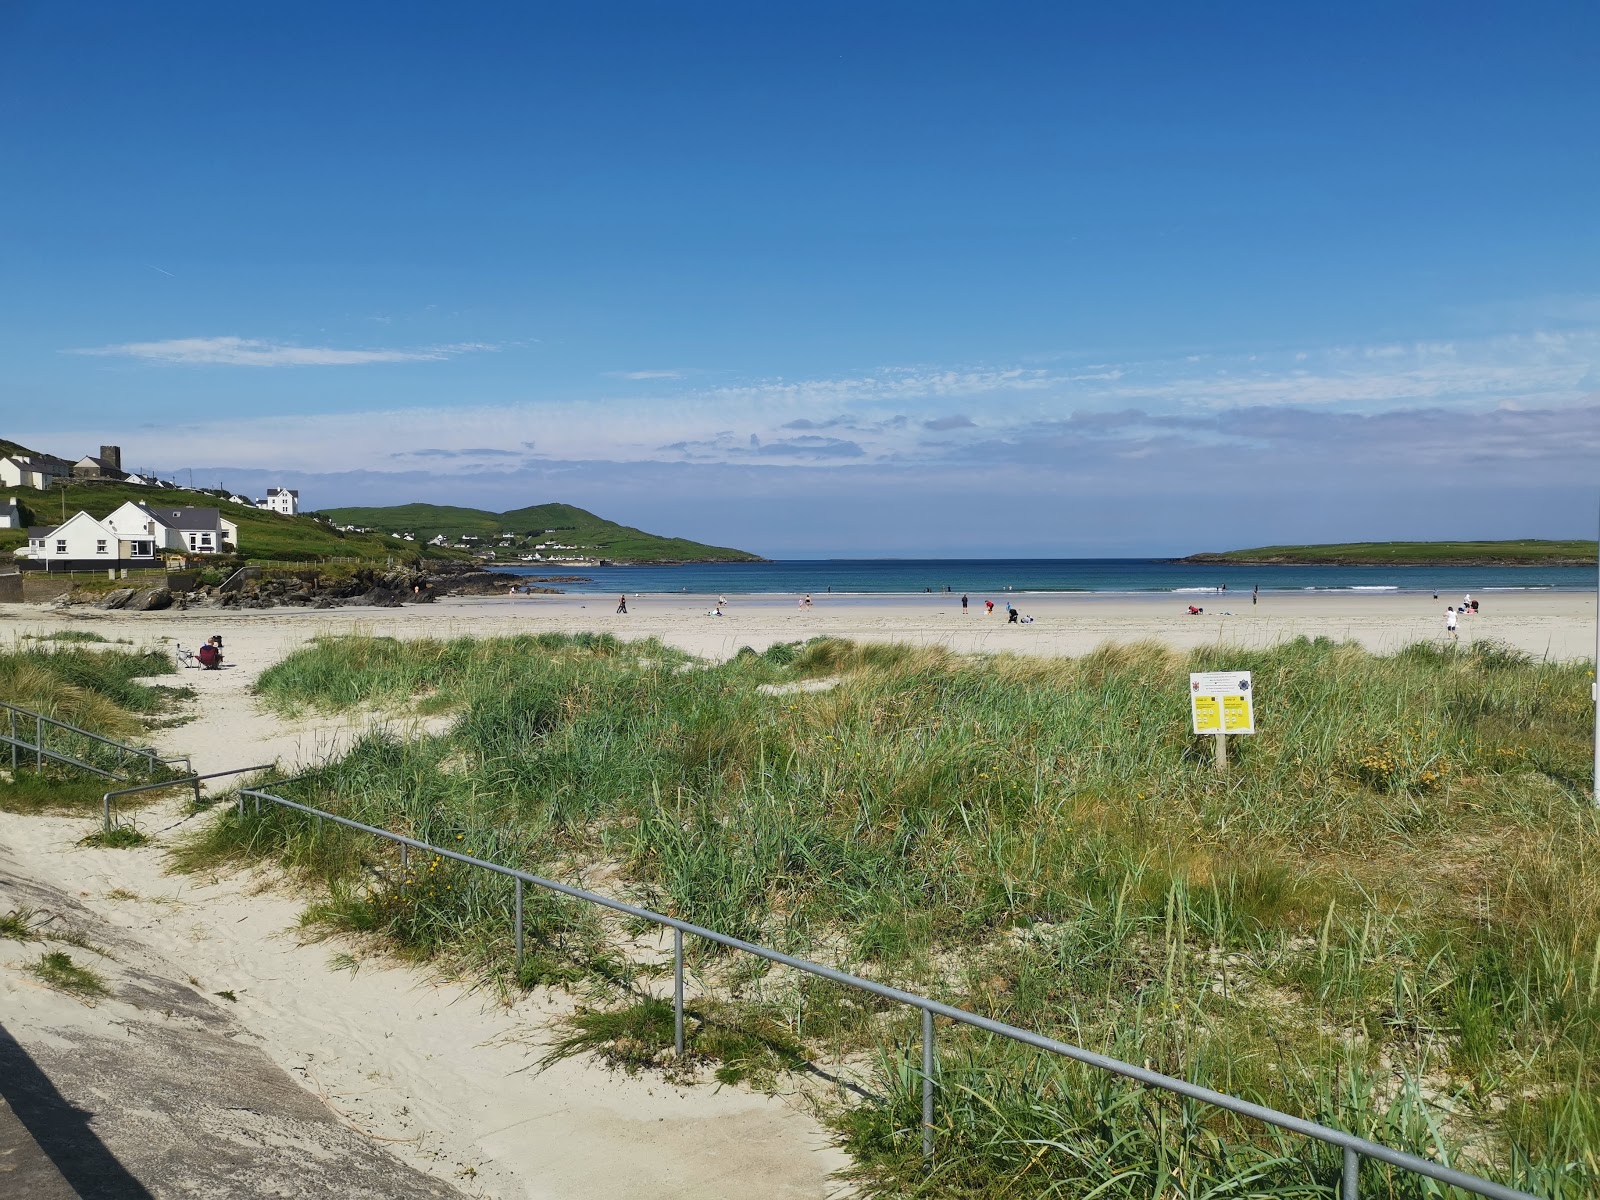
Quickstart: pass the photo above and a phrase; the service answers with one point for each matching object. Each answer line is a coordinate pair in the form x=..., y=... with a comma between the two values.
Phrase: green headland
x=523, y=529
x=1524, y=552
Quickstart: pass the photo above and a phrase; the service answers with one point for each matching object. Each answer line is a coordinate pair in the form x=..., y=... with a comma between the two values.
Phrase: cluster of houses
x=135, y=535
x=44, y=471
x=138, y=534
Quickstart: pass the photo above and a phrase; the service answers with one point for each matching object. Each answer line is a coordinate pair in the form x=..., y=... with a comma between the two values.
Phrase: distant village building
x=285, y=501
x=10, y=514
x=40, y=471
x=107, y=465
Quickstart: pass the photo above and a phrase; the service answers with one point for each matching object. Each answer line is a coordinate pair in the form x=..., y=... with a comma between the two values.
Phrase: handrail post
x=405, y=860
x=106, y=800
x=197, y=791
x=677, y=991
x=12, y=713
x=519, y=923
x=927, y=1088
x=38, y=741
x=1352, y=1175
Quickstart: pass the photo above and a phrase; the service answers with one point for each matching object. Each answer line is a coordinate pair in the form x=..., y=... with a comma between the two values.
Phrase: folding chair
x=186, y=656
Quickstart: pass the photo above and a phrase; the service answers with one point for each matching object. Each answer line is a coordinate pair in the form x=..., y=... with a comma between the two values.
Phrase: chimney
x=112, y=456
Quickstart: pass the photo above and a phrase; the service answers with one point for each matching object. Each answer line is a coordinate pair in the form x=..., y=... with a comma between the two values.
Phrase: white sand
x=449, y=1073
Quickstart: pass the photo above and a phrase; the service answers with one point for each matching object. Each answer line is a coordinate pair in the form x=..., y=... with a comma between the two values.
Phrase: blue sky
x=823, y=279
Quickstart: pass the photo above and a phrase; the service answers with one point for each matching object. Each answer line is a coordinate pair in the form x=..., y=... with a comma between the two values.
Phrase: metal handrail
x=1355, y=1148
x=191, y=780
x=38, y=746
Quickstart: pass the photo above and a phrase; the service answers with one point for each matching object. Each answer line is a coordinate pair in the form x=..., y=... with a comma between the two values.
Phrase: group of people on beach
x=1013, y=615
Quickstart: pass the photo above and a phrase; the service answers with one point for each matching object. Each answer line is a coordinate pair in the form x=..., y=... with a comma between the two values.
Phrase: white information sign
x=1222, y=702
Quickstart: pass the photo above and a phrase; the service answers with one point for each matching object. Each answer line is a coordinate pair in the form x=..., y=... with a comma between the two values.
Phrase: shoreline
x=1544, y=623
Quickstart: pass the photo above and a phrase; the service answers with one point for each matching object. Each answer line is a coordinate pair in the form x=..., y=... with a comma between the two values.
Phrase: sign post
x=1220, y=703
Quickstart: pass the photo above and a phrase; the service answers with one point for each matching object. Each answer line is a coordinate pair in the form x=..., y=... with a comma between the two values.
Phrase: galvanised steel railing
x=1354, y=1148
x=186, y=781
x=40, y=751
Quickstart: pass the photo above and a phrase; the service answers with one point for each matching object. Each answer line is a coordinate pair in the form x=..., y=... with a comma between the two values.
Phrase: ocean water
x=996, y=576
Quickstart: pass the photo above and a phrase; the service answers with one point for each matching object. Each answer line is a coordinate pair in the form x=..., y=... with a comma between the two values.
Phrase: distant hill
x=564, y=524
x=1527, y=552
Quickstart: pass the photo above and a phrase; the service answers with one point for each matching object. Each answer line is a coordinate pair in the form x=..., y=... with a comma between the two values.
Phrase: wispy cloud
x=260, y=352
x=642, y=375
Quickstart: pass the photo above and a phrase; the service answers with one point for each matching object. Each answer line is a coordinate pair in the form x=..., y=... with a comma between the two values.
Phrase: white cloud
x=259, y=352
x=885, y=418
x=639, y=375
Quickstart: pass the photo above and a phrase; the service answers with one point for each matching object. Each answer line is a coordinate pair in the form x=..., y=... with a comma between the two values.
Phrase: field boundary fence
x=1354, y=1149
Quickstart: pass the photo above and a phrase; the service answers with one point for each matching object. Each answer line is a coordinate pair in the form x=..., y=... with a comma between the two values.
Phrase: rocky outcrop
x=310, y=587
x=150, y=600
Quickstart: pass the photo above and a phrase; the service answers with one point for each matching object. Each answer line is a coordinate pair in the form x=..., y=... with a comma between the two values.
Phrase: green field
x=1386, y=917
x=1528, y=552
x=263, y=536
x=562, y=523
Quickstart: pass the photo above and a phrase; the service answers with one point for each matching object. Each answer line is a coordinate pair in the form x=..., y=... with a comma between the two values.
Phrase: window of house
x=144, y=549
x=100, y=546
x=61, y=545
x=205, y=539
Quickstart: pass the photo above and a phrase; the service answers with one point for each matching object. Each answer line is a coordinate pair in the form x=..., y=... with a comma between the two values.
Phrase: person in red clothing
x=210, y=655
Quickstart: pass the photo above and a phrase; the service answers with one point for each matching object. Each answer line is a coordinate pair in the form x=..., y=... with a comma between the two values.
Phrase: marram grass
x=1386, y=917
x=103, y=691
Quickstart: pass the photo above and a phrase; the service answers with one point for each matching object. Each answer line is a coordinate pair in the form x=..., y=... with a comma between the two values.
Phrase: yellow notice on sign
x=1237, y=716
x=1207, y=713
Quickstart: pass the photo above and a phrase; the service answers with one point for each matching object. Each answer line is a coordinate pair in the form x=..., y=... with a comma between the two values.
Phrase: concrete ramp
x=154, y=1090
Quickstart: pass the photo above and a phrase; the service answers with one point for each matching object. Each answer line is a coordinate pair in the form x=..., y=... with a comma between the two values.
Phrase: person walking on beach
x=1450, y=623
x=963, y=604
x=1255, y=594
x=622, y=604
x=1012, y=614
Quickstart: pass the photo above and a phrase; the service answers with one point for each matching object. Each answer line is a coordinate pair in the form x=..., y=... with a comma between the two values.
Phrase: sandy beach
x=442, y=1076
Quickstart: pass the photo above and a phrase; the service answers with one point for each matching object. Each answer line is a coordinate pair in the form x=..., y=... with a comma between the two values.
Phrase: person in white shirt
x=1450, y=623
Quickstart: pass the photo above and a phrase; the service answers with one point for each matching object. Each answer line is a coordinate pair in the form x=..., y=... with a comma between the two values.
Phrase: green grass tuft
x=57, y=969
x=118, y=837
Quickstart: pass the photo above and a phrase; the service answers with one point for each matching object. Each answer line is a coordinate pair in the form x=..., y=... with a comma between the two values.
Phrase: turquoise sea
x=993, y=576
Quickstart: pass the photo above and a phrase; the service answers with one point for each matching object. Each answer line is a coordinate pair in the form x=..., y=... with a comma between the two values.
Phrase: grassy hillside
x=561, y=523
x=1387, y=916
x=263, y=536
x=1526, y=552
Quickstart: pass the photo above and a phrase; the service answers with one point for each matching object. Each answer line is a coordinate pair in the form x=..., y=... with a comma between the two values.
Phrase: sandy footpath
x=445, y=1078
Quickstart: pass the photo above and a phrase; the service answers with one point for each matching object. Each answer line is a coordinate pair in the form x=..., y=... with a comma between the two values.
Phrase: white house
x=285, y=501
x=10, y=514
x=35, y=471
x=186, y=530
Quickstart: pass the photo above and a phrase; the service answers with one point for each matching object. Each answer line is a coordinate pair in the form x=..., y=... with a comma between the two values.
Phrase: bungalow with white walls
x=10, y=513
x=186, y=530
x=33, y=470
x=284, y=501
x=82, y=541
